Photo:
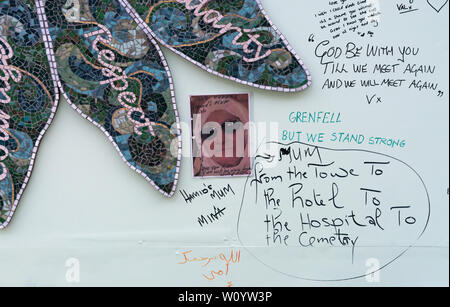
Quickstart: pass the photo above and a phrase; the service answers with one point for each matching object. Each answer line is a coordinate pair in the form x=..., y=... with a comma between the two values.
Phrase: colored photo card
x=221, y=135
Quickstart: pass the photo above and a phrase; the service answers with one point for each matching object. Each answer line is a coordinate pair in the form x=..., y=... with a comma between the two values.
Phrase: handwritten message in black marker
x=341, y=17
x=406, y=7
x=321, y=214
x=207, y=191
x=373, y=67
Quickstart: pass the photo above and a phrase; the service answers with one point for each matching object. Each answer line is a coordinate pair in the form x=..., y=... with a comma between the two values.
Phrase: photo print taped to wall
x=221, y=135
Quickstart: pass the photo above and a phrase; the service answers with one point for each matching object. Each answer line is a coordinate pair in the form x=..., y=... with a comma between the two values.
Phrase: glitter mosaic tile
x=93, y=54
x=115, y=76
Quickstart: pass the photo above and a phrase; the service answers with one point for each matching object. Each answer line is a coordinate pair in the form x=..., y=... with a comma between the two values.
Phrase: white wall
x=84, y=203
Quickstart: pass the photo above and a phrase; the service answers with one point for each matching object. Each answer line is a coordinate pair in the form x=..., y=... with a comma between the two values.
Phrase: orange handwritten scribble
x=187, y=260
x=234, y=259
x=213, y=275
x=223, y=259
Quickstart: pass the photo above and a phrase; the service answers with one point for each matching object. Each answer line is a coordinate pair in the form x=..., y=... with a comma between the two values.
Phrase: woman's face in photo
x=227, y=140
x=224, y=131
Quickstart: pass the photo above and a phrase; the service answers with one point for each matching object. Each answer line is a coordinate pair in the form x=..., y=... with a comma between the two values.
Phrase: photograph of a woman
x=220, y=127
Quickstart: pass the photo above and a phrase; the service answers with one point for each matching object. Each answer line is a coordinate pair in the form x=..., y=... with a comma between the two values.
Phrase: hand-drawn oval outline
x=334, y=150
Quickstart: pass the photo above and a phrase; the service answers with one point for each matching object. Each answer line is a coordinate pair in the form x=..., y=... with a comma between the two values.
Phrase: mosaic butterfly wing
x=99, y=55
x=28, y=99
x=116, y=77
x=230, y=38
